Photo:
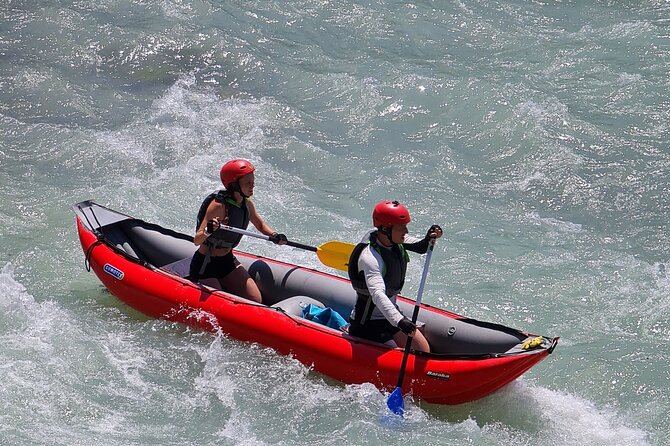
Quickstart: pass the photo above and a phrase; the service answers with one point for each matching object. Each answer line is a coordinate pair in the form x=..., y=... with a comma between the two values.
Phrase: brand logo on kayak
x=438, y=375
x=113, y=271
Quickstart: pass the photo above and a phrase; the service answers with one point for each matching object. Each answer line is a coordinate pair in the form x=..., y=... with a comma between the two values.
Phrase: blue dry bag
x=324, y=316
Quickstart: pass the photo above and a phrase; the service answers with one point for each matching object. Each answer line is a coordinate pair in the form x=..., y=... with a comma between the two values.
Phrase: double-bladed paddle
x=395, y=401
x=334, y=254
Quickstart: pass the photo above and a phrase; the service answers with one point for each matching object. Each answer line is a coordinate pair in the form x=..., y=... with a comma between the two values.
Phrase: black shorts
x=378, y=330
x=217, y=267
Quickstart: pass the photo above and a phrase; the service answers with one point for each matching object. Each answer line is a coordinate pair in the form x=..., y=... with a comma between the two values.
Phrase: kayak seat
x=160, y=249
x=149, y=243
x=116, y=236
x=180, y=267
x=294, y=305
x=279, y=282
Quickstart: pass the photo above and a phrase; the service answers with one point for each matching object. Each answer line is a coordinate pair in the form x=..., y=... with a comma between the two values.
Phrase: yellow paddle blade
x=335, y=254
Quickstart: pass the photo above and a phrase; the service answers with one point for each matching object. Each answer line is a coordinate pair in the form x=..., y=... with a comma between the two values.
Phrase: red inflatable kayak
x=144, y=265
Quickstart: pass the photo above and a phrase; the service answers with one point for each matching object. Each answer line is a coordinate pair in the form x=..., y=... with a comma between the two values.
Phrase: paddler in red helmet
x=232, y=207
x=377, y=269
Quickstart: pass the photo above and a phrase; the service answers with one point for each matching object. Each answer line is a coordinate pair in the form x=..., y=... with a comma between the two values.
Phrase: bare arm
x=257, y=221
x=215, y=211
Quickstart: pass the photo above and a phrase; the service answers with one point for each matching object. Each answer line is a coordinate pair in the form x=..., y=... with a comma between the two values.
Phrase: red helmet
x=234, y=170
x=389, y=213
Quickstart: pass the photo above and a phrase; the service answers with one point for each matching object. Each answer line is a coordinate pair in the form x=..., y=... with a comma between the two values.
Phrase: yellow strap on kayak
x=335, y=254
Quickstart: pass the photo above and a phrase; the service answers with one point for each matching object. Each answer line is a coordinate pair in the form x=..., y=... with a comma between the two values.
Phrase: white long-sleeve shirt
x=371, y=264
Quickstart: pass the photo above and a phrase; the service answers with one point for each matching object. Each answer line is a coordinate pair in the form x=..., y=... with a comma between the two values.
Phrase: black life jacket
x=238, y=217
x=394, y=271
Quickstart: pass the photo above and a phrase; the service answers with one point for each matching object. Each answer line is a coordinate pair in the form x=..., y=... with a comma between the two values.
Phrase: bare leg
x=239, y=282
x=419, y=341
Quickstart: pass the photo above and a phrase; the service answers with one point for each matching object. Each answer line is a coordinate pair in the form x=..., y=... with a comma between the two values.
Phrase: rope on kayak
x=89, y=251
x=96, y=231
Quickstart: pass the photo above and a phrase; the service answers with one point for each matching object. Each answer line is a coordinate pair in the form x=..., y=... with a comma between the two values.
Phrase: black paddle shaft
x=403, y=364
x=301, y=246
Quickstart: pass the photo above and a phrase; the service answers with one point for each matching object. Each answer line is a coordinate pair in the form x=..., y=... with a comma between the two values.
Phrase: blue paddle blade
x=395, y=402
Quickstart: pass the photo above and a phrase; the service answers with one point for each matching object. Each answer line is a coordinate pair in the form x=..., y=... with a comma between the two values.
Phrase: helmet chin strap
x=387, y=233
x=235, y=187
